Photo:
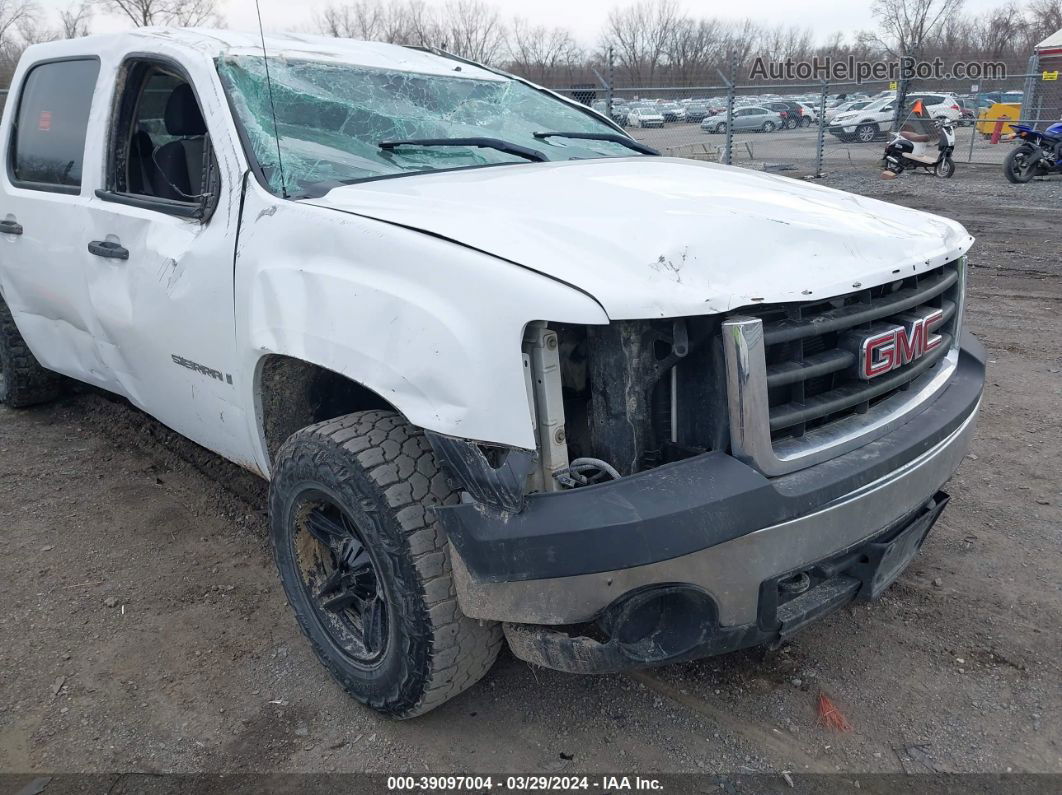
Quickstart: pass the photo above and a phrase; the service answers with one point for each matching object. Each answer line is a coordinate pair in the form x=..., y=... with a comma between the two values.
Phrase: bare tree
x=19, y=27
x=639, y=35
x=421, y=25
x=473, y=30
x=369, y=20
x=781, y=42
x=696, y=48
x=186, y=13
x=1046, y=16
x=74, y=20
x=410, y=22
x=909, y=25
x=16, y=15
x=539, y=53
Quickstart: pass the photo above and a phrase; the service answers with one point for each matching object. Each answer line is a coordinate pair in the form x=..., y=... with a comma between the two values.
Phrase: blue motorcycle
x=1039, y=153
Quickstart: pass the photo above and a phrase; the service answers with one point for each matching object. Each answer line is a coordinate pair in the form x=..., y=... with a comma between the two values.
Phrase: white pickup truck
x=511, y=375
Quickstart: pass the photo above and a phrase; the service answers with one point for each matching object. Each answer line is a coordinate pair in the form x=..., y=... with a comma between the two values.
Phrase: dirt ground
x=144, y=628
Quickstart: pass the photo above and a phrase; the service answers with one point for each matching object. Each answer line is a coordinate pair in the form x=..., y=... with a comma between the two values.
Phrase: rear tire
x=23, y=382
x=366, y=567
x=945, y=169
x=768, y=126
x=1016, y=167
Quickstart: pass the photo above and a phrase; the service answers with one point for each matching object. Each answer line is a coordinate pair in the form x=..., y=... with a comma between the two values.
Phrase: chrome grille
x=794, y=396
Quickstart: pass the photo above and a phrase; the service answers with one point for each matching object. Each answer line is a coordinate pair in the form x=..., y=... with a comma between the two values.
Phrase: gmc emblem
x=884, y=351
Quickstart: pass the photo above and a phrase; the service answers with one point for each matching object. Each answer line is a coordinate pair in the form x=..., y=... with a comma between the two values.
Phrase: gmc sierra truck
x=512, y=376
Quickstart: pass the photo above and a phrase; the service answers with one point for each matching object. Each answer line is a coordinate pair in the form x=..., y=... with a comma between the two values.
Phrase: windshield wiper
x=481, y=143
x=622, y=140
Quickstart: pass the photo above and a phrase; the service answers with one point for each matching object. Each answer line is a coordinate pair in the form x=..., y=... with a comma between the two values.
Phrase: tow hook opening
x=795, y=584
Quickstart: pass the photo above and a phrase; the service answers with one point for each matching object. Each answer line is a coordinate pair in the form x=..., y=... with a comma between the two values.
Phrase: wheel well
x=293, y=394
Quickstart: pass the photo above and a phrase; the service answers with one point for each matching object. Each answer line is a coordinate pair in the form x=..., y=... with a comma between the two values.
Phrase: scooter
x=910, y=149
x=1038, y=154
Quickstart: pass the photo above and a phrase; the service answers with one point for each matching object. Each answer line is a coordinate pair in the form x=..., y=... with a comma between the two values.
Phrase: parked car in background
x=940, y=105
x=619, y=112
x=866, y=124
x=967, y=111
x=989, y=98
x=789, y=110
x=673, y=112
x=873, y=120
x=645, y=116
x=697, y=111
x=810, y=115
x=749, y=118
x=844, y=107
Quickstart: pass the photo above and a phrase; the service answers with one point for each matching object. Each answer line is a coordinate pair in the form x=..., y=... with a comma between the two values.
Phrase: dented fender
x=432, y=326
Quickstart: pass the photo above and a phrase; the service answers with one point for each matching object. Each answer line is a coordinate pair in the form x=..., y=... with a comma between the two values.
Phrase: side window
x=48, y=140
x=161, y=155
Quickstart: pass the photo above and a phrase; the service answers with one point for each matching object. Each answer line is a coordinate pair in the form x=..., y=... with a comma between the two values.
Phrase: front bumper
x=709, y=525
x=673, y=623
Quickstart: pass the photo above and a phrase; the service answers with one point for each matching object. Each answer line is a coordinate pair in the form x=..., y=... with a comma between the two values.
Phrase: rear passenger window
x=48, y=142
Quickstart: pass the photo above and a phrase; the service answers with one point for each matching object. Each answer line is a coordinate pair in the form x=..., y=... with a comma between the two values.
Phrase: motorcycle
x=1038, y=154
x=910, y=149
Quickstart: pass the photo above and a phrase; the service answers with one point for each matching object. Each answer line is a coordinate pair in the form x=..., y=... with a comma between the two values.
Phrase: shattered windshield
x=332, y=117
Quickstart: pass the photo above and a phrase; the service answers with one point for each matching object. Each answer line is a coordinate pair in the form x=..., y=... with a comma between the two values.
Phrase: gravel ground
x=145, y=629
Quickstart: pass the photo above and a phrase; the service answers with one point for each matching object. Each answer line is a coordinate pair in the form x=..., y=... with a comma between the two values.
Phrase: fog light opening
x=664, y=621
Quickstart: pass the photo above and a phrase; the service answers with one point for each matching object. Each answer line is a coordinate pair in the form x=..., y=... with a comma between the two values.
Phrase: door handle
x=108, y=248
x=10, y=227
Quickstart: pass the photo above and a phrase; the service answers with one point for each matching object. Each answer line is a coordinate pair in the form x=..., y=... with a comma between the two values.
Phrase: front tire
x=23, y=382
x=366, y=567
x=866, y=133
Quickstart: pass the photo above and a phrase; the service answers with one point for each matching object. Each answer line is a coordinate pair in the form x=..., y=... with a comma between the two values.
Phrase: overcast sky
x=583, y=17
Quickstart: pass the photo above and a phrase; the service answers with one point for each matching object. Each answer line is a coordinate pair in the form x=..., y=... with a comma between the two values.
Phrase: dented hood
x=664, y=237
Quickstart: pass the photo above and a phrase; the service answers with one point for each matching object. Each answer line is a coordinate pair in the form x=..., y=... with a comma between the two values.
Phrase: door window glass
x=48, y=143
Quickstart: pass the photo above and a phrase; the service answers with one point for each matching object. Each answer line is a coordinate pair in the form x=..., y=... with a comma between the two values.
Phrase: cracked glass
x=331, y=118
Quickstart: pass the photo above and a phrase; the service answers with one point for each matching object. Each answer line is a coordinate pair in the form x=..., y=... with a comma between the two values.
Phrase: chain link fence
x=814, y=128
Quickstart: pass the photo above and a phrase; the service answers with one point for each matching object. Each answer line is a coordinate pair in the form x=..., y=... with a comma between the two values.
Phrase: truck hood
x=665, y=237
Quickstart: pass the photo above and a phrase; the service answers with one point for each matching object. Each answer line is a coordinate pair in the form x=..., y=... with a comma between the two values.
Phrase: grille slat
x=845, y=317
x=812, y=367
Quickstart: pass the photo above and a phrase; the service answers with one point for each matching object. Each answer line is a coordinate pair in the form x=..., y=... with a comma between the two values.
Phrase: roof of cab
x=219, y=43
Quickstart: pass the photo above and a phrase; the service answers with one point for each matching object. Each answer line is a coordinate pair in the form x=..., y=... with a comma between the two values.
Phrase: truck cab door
x=158, y=253
x=44, y=213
